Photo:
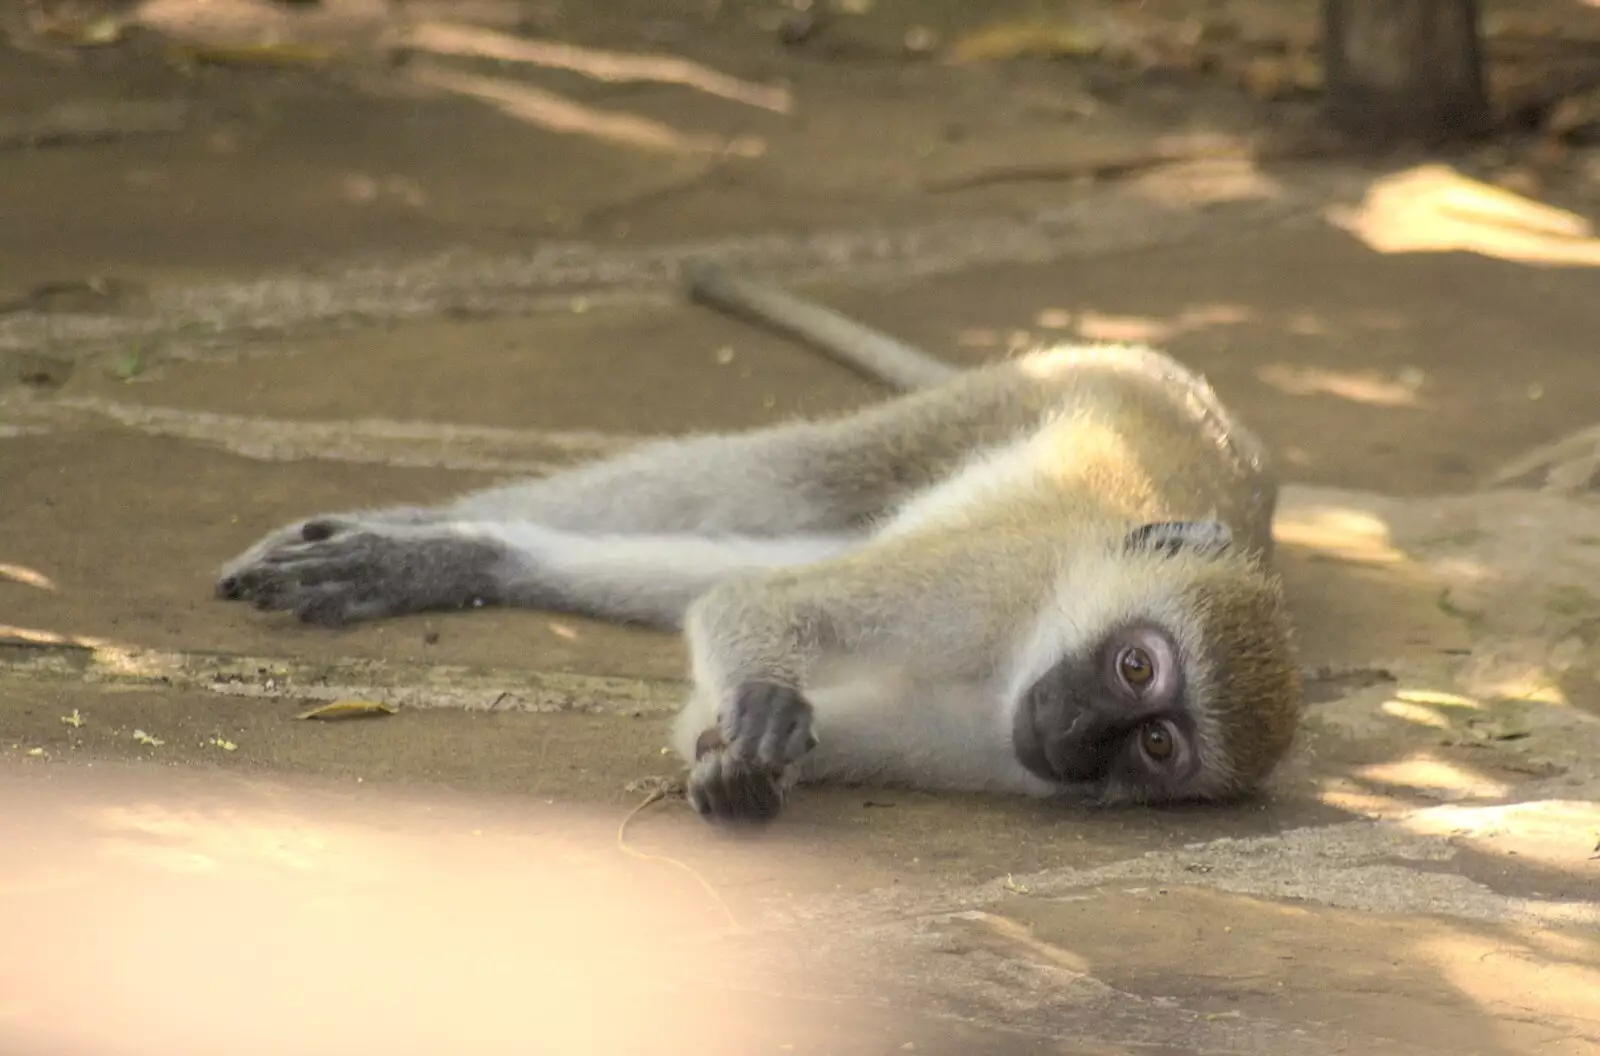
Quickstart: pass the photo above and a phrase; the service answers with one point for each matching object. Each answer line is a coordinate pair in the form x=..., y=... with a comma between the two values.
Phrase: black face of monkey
x=1120, y=717
x=1116, y=716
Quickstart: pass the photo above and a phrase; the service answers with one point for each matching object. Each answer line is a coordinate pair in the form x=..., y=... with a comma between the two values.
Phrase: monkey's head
x=1164, y=672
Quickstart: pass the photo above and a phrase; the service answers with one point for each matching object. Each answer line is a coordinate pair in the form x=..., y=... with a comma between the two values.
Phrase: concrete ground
x=281, y=290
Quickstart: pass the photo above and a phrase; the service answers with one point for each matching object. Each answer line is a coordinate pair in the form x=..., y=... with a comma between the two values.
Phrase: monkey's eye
x=1136, y=668
x=1156, y=741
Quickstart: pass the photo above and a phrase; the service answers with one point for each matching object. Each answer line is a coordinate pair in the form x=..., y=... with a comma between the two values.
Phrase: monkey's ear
x=1205, y=538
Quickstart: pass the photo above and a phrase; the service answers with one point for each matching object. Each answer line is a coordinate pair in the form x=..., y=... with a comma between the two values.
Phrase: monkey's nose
x=228, y=588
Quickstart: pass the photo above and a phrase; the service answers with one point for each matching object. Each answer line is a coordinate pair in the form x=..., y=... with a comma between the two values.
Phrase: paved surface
x=325, y=289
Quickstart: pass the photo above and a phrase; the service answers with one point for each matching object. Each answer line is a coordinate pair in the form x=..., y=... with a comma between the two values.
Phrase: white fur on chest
x=884, y=727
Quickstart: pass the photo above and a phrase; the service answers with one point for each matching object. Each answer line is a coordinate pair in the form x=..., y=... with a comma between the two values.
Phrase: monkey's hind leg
x=377, y=569
x=701, y=509
x=581, y=539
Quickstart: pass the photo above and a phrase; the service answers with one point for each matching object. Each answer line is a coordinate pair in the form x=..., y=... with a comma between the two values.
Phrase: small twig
x=660, y=792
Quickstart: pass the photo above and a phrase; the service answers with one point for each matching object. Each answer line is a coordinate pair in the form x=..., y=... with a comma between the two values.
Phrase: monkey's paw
x=722, y=788
x=745, y=767
x=330, y=572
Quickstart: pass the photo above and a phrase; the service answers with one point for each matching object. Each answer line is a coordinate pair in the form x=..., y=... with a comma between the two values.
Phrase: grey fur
x=341, y=571
x=875, y=573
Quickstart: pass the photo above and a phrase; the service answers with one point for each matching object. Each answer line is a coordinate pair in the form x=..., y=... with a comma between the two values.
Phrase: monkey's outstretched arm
x=844, y=651
x=901, y=366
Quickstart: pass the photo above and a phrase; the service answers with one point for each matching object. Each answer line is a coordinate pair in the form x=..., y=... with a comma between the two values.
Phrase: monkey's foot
x=745, y=767
x=331, y=571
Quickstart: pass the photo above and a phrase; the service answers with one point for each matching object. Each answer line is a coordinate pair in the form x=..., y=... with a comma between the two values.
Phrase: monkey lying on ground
x=1048, y=576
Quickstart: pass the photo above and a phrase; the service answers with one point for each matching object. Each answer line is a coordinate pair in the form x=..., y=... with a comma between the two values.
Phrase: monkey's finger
x=754, y=796
x=334, y=605
x=703, y=776
x=346, y=551
x=272, y=588
x=247, y=582
x=269, y=579
x=755, y=792
x=326, y=604
x=773, y=749
x=709, y=789
x=322, y=613
x=746, y=718
x=757, y=708
x=268, y=593
x=336, y=568
x=800, y=743
x=697, y=799
x=723, y=789
x=288, y=554
x=710, y=740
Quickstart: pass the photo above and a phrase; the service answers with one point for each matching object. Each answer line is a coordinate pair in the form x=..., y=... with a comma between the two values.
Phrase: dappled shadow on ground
x=1405, y=372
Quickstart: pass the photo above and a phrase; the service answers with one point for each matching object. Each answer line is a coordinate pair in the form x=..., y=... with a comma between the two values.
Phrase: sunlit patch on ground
x=1366, y=388
x=1433, y=209
x=1348, y=534
x=28, y=577
x=1432, y=778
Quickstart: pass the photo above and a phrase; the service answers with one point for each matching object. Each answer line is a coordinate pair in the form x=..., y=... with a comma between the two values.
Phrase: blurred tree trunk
x=1404, y=72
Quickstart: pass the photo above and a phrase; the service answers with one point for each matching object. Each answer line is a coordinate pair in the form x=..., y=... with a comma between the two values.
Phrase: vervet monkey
x=1047, y=576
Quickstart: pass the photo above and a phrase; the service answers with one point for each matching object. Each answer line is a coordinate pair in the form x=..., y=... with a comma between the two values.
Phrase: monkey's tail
x=894, y=363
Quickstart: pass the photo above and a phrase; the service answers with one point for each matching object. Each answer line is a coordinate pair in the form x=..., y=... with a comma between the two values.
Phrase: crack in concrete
x=1348, y=865
x=376, y=441
x=388, y=682
x=203, y=319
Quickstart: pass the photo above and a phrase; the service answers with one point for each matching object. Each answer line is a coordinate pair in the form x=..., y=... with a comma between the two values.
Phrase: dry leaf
x=1017, y=39
x=348, y=709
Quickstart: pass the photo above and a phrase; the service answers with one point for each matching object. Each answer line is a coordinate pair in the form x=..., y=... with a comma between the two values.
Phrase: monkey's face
x=1114, y=717
x=1191, y=692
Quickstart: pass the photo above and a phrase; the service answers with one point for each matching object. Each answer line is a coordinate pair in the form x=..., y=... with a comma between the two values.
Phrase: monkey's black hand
x=768, y=724
x=743, y=770
x=337, y=572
